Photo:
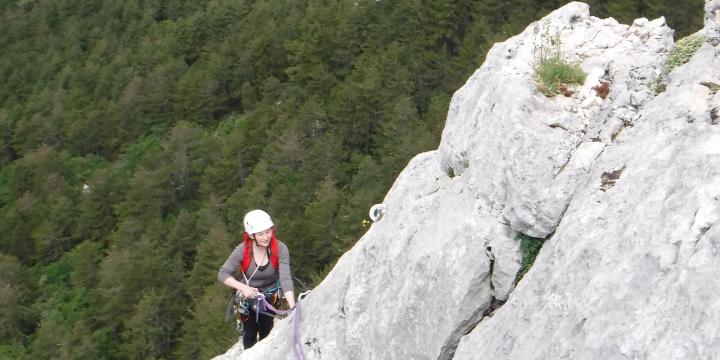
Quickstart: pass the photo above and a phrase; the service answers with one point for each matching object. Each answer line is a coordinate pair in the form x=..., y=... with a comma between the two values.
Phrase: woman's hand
x=290, y=298
x=248, y=291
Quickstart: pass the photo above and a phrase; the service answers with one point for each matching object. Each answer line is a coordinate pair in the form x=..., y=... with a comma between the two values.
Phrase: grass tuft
x=555, y=74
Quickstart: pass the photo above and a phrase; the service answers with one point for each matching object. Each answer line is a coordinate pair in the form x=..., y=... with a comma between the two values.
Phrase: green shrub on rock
x=530, y=248
x=684, y=49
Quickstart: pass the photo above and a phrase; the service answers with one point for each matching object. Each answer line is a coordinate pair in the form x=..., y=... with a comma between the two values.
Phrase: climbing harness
x=262, y=306
x=241, y=307
x=274, y=293
x=238, y=308
x=266, y=302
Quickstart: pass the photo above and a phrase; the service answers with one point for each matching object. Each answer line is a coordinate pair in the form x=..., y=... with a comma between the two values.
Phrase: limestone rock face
x=712, y=21
x=528, y=153
x=626, y=188
x=631, y=270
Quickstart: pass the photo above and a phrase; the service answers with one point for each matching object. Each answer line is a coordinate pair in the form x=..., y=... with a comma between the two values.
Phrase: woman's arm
x=226, y=270
x=285, y=275
x=290, y=298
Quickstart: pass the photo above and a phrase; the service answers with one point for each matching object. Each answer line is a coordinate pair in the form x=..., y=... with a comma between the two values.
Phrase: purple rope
x=297, y=346
x=263, y=306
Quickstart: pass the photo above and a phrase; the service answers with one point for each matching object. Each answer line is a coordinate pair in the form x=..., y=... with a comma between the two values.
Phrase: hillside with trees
x=134, y=135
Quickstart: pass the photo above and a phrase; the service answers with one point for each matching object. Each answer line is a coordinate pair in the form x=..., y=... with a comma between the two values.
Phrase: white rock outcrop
x=712, y=21
x=626, y=188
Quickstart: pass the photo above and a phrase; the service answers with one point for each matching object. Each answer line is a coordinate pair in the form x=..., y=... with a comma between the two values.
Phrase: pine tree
x=12, y=292
x=624, y=11
x=53, y=236
x=148, y=331
x=206, y=334
x=211, y=254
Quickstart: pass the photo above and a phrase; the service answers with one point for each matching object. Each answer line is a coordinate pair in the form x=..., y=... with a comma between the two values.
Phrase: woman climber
x=263, y=264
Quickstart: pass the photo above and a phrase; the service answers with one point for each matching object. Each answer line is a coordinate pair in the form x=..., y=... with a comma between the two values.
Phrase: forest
x=134, y=136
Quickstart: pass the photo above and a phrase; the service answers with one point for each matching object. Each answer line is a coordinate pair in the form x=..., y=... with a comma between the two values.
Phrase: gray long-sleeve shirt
x=265, y=276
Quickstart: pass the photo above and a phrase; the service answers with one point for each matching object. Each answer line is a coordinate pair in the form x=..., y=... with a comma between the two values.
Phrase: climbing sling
x=239, y=306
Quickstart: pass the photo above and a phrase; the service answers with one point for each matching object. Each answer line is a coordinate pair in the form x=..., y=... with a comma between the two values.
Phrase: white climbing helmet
x=256, y=221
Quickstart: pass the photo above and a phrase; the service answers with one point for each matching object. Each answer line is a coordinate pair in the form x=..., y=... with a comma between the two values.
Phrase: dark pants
x=253, y=328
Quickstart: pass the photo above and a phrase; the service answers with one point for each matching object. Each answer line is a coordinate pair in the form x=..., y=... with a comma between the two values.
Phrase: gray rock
x=432, y=266
x=521, y=141
x=712, y=21
x=631, y=271
x=626, y=188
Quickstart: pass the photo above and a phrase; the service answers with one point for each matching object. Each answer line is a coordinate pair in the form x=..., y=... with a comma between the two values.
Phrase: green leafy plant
x=684, y=49
x=554, y=74
x=530, y=248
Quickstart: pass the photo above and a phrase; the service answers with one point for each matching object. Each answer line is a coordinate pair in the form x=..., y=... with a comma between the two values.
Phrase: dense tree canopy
x=134, y=135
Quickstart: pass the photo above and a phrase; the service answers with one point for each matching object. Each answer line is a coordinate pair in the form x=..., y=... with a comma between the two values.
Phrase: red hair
x=247, y=252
